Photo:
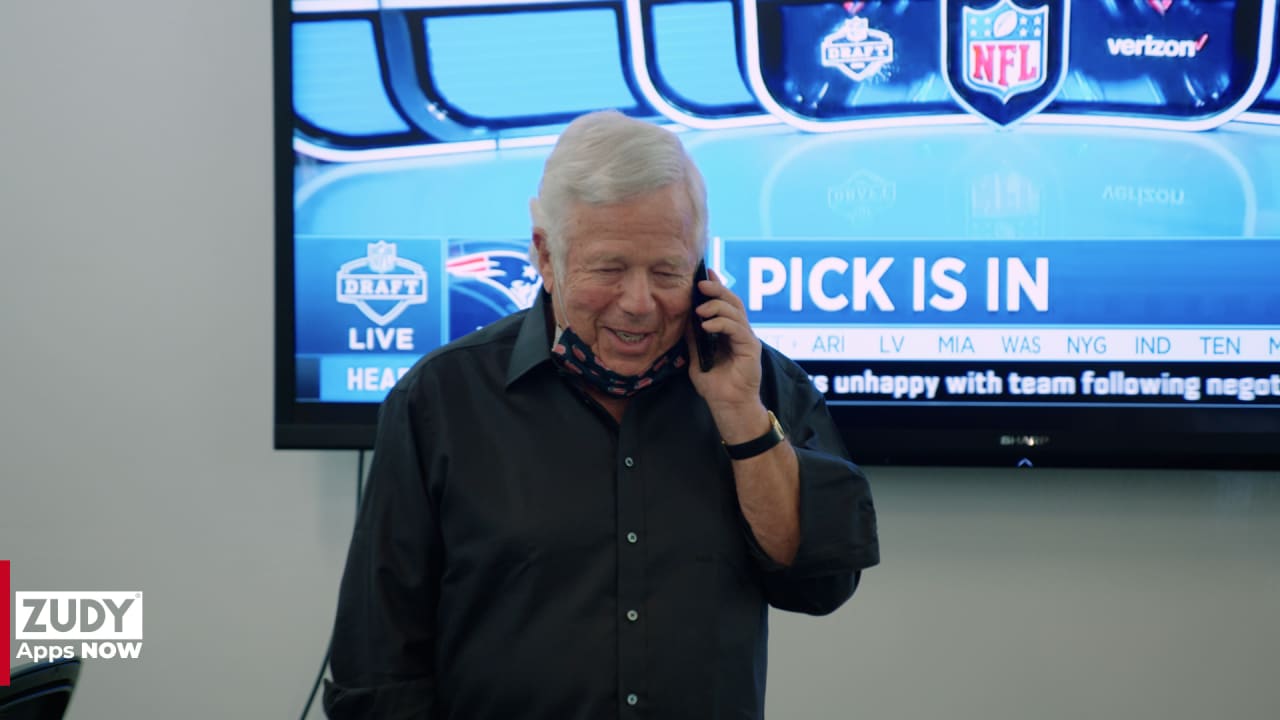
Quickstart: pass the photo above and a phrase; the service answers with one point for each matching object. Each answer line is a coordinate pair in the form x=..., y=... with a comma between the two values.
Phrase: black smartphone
x=708, y=343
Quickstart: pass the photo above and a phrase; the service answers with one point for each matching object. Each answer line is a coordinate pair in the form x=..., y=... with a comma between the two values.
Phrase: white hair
x=606, y=157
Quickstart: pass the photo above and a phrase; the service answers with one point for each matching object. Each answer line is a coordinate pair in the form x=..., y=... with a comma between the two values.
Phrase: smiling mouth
x=630, y=338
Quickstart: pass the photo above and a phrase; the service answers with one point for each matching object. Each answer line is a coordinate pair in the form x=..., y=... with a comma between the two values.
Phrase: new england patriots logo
x=508, y=272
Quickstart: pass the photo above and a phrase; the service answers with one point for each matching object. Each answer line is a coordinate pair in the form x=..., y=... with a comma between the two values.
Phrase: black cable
x=314, y=688
x=359, y=481
x=329, y=648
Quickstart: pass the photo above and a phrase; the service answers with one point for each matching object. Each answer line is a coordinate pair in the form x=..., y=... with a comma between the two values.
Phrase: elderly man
x=567, y=517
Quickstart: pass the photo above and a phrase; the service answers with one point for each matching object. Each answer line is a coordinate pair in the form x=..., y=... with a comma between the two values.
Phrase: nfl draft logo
x=857, y=50
x=381, y=284
x=1005, y=61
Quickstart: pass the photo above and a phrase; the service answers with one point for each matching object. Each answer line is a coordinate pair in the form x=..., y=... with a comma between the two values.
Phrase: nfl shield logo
x=1005, y=61
x=1005, y=49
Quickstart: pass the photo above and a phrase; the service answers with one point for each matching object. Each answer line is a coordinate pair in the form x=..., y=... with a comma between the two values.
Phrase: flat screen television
x=1001, y=233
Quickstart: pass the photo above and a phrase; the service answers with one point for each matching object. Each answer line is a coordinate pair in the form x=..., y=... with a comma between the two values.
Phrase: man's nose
x=637, y=294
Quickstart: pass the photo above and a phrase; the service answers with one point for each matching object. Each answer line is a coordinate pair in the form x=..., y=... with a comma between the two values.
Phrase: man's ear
x=543, y=250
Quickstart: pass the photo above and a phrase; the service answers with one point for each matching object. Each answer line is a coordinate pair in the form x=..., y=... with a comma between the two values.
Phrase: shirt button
x=632, y=538
x=632, y=699
x=632, y=615
x=629, y=462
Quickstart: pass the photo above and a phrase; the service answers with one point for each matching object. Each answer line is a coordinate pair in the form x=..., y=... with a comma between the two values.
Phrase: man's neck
x=615, y=405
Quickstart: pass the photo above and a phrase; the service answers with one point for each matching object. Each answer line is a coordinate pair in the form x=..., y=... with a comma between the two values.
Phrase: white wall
x=1013, y=595
x=135, y=444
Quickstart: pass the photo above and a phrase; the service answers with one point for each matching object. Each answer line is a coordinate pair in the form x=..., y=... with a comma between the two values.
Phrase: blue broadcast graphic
x=1272, y=95
x=1142, y=283
x=1038, y=182
x=1172, y=58
x=367, y=310
x=339, y=99
x=835, y=60
x=1267, y=108
x=1122, y=212
x=1186, y=64
x=695, y=60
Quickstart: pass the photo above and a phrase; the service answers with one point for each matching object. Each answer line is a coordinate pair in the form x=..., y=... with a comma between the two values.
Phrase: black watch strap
x=762, y=444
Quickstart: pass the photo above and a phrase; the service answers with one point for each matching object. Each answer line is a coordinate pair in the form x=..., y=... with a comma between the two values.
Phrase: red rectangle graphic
x=4, y=622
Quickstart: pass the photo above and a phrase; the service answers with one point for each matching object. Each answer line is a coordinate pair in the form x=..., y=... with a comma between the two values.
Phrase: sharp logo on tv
x=106, y=625
x=1155, y=47
x=857, y=50
x=1005, y=49
x=382, y=284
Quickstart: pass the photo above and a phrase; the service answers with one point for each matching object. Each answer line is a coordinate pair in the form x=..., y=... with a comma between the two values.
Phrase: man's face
x=627, y=278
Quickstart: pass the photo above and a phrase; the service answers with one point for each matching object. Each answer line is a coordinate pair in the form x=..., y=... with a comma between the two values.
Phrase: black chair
x=39, y=691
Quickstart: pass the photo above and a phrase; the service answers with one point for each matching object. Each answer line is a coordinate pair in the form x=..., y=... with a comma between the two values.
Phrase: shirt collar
x=533, y=343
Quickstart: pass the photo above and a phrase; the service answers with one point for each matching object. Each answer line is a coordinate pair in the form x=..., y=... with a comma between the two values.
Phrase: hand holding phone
x=708, y=343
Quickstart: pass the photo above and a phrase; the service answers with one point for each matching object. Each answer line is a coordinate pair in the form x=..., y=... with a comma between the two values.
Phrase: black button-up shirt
x=520, y=554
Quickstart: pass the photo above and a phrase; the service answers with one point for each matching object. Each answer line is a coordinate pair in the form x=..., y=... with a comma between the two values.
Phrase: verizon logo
x=1151, y=46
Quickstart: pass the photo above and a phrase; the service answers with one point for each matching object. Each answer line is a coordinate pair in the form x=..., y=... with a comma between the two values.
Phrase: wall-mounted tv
x=1009, y=232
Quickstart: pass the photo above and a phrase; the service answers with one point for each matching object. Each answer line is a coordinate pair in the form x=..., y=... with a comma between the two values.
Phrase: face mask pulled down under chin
x=574, y=356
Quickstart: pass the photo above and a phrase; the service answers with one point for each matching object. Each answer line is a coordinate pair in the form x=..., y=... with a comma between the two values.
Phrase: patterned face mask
x=575, y=356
